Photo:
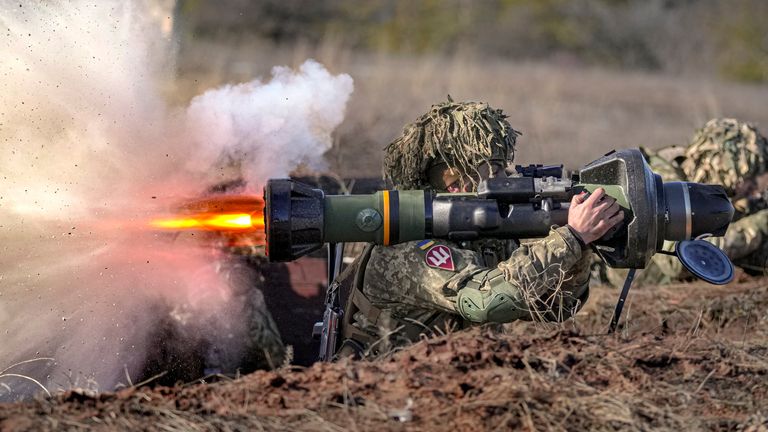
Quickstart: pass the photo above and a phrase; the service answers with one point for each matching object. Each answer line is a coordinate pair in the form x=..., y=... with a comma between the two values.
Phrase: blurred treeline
x=578, y=78
x=727, y=39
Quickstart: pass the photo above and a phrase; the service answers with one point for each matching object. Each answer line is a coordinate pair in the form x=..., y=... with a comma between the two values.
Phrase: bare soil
x=687, y=357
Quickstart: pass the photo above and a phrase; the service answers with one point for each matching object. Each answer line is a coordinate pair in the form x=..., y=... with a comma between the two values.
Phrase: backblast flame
x=237, y=218
x=210, y=222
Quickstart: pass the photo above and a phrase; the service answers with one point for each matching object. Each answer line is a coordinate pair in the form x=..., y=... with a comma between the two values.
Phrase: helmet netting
x=463, y=135
x=726, y=152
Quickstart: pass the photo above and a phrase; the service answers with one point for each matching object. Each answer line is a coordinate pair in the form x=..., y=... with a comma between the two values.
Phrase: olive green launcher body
x=299, y=219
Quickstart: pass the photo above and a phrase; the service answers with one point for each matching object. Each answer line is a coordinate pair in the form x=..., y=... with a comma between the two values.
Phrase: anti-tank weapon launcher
x=299, y=219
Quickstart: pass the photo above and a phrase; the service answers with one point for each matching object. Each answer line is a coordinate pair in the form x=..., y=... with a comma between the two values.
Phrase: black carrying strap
x=359, y=303
x=348, y=283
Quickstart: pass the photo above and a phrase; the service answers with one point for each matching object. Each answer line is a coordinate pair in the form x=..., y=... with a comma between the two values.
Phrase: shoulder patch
x=440, y=257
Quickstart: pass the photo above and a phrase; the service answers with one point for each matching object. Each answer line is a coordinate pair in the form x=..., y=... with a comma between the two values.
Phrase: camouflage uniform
x=397, y=294
x=725, y=152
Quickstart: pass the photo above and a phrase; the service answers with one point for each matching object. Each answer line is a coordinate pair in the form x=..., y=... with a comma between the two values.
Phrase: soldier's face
x=455, y=182
x=746, y=189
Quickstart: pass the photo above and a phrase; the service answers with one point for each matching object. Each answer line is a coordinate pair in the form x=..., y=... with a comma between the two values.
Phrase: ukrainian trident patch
x=440, y=257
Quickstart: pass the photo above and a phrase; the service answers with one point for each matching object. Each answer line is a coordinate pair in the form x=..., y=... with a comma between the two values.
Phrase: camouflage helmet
x=461, y=135
x=726, y=152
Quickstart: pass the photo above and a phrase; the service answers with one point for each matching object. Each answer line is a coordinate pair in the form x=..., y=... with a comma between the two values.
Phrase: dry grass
x=567, y=113
x=691, y=357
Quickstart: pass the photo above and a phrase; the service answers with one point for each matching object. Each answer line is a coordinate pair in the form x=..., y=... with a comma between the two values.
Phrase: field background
x=578, y=78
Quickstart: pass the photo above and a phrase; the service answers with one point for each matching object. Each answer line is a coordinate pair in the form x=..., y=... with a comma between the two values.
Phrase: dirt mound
x=690, y=357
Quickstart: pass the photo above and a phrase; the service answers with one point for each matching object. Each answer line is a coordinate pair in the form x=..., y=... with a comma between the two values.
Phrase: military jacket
x=435, y=286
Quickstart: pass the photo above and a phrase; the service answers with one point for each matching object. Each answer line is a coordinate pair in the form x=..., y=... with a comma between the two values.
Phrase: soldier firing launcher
x=299, y=219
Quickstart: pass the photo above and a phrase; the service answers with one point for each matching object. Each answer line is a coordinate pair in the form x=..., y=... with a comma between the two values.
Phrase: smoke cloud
x=90, y=151
x=252, y=120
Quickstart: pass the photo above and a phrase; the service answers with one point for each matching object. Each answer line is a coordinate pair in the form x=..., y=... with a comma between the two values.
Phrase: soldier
x=399, y=292
x=735, y=155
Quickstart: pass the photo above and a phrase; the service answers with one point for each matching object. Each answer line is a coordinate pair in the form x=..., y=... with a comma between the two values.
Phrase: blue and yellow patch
x=425, y=244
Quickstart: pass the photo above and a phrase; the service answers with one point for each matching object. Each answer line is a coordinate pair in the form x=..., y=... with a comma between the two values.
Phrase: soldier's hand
x=591, y=216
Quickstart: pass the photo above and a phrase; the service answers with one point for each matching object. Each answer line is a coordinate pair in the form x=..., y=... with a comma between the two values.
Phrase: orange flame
x=238, y=218
x=211, y=222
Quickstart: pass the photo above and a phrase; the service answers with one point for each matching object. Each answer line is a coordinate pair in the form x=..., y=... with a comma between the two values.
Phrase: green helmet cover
x=726, y=152
x=462, y=135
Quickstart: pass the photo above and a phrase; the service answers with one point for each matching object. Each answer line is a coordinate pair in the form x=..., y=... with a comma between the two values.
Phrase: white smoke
x=294, y=112
x=90, y=151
